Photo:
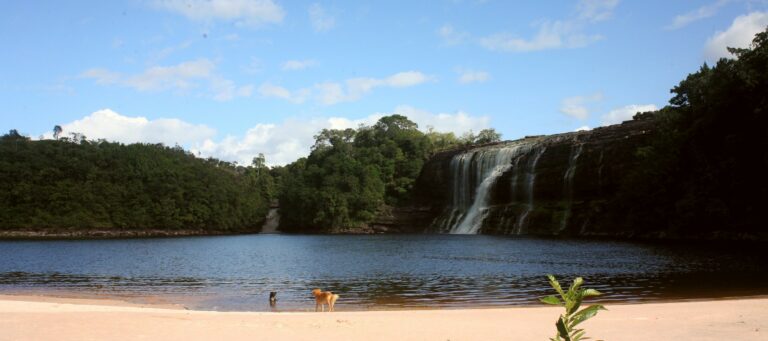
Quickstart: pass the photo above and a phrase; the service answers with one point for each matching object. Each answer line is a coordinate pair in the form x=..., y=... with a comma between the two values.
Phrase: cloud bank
x=626, y=113
x=179, y=78
x=556, y=34
x=281, y=143
x=739, y=34
x=109, y=125
x=329, y=93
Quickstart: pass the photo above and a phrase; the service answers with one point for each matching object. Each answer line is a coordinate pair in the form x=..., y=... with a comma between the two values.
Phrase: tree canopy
x=352, y=174
x=74, y=183
x=707, y=167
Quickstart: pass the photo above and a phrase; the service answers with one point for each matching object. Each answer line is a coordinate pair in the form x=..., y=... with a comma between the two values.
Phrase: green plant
x=571, y=300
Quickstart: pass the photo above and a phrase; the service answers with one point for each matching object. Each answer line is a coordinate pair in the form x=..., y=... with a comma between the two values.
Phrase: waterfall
x=568, y=183
x=272, y=221
x=460, y=168
x=530, y=180
x=473, y=175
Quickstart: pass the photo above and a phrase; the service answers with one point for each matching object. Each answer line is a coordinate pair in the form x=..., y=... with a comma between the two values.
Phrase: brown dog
x=324, y=297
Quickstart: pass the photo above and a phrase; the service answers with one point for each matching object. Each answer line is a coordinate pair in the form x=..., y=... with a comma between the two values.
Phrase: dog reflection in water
x=323, y=298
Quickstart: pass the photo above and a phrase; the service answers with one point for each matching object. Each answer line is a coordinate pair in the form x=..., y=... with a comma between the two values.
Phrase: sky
x=234, y=78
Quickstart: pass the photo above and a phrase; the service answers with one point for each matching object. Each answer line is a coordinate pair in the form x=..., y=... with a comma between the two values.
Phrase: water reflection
x=374, y=272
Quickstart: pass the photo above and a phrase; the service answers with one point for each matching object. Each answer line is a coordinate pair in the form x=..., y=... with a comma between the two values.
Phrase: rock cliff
x=543, y=185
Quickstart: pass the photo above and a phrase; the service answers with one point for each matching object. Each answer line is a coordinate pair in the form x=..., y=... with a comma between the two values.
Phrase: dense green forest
x=73, y=183
x=708, y=165
x=704, y=169
x=352, y=175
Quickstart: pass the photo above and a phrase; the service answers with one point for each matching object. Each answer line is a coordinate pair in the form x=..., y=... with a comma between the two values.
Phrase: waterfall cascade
x=539, y=185
x=568, y=183
x=474, y=173
x=488, y=166
x=478, y=203
x=530, y=180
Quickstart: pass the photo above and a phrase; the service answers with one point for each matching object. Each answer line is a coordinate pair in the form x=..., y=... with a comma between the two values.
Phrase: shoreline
x=35, y=235
x=44, y=318
x=168, y=302
x=98, y=234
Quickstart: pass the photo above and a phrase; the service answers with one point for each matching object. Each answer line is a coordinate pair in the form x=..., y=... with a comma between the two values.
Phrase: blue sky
x=232, y=78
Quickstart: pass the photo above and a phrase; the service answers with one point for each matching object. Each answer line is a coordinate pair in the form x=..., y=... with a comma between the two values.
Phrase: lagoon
x=375, y=272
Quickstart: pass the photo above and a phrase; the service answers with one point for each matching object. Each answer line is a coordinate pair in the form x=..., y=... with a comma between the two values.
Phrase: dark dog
x=272, y=298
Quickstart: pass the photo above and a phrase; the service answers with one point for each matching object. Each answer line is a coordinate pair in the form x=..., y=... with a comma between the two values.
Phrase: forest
x=73, y=183
x=705, y=167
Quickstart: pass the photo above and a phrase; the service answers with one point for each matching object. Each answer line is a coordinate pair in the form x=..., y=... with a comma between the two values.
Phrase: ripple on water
x=374, y=272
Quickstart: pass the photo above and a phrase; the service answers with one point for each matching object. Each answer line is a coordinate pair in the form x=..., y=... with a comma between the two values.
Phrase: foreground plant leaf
x=571, y=301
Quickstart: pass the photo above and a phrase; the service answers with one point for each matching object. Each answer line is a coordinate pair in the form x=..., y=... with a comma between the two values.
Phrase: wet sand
x=47, y=318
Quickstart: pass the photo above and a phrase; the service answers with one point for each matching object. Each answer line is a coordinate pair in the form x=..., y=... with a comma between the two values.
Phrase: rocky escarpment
x=543, y=185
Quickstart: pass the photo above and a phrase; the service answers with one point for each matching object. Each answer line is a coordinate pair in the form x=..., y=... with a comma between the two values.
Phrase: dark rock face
x=542, y=185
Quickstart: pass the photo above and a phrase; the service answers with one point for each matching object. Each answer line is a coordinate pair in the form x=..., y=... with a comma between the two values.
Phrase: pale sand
x=36, y=318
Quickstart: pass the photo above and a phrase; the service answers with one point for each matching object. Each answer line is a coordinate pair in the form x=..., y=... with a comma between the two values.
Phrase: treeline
x=74, y=184
x=352, y=175
x=80, y=184
x=707, y=168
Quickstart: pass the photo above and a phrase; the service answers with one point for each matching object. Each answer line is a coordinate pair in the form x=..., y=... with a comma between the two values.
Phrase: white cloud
x=596, y=10
x=583, y=128
x=281, y=143
x=451, y=36
x=180, y=78
x=165, y=52
x=739, y=34
x=332, y=93
x=458, y=122
x=109, y=125
x=329, y=93
x=576, y=106
x=321, y=21
x=702, y=12
x=292, y=65
x=291, y=139
x=102, y=76
x=471, y=76
x=271, y=90
x=225, y=90
x=555, y=34
x=626, y=113
x=405, y=79
x=551, y=35
x=171, y=77
x=242, y=12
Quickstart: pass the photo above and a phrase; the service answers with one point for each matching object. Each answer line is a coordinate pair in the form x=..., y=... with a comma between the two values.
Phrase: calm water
x=374, y=272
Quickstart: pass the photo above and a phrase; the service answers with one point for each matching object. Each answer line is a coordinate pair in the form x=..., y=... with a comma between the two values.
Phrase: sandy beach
x=44, y=318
